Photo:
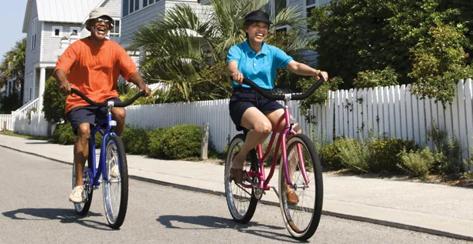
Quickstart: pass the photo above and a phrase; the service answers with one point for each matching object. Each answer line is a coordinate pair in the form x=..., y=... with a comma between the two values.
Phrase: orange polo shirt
x=94, y=70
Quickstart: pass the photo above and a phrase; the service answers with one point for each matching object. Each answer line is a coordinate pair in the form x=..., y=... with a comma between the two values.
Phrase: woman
x=258, y=61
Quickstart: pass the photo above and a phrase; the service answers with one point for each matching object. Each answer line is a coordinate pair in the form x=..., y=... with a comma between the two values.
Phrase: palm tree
x=13, y=65
x=189, y=53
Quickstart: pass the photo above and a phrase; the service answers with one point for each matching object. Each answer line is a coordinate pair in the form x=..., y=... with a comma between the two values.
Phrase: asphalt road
x=34, y=209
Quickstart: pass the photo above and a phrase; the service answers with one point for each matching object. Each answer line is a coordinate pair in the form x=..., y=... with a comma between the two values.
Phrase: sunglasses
x=103, y=21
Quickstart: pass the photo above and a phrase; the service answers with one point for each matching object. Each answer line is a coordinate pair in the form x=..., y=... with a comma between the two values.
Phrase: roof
x=66, y=11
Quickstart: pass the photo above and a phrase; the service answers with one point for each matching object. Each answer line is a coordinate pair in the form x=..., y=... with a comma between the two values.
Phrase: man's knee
x=119, y=114
x=83, y=132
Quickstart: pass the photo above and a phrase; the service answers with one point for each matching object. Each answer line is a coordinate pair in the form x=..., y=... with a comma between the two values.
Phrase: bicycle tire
x=311, y=208
x=115, y=209
x=83, y=208
x=242, y=214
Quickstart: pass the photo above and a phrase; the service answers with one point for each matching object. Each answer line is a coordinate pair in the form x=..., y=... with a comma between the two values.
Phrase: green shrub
x=181, y=141
x=353, y=154
x=417, y=163
x=384, y=154
x=54, y=101
x=329, y=156
x=155, y=141
x=373, y=78
x=448, y=152
x=63, y=134
x=136, y=140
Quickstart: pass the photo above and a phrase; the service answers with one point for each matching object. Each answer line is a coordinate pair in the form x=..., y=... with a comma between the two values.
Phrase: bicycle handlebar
x=103, y=104
x=292, y=96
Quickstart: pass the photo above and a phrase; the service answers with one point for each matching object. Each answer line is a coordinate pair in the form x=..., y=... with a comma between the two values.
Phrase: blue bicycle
x=111, y=170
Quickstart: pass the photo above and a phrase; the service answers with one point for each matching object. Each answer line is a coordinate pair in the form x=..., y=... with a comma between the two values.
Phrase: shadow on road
x=212, y=222
x=63, y=215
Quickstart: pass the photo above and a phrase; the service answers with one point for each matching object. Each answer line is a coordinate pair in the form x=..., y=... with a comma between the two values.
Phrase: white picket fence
x=357, y=113
x=396, y=113
x=6, y=122
x=29, y=119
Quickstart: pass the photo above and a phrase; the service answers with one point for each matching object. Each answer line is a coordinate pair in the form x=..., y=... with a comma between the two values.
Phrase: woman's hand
x=322, y=75
x=237, y=76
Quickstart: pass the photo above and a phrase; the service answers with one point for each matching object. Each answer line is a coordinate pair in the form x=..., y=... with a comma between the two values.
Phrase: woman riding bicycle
x=258, y=61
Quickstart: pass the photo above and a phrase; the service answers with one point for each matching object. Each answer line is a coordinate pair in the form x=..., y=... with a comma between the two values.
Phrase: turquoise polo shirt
x=259, y=67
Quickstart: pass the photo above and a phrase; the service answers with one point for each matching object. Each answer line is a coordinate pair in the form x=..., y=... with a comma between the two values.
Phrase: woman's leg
x=259, y=128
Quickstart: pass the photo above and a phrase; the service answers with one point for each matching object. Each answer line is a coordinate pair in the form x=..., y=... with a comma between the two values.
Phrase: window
x=151, y=1
x=137, y=4
x=115, y=31
x=274, y=7
x=279, y=5
x=309, y=4
x=125, y=8
x=57, y=31
x=132, y=6
x=145, y=3
x=33, y=33
x=75, y=32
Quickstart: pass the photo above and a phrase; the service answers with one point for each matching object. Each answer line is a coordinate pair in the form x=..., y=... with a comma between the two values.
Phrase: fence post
x=205, y=142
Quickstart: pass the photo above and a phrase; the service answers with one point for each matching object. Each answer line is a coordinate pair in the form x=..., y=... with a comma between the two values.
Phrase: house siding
x=51, y=44
x=134, y=21
x=32, y=55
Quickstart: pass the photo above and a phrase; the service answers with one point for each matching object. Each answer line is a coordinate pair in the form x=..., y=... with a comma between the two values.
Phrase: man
x=92, y=65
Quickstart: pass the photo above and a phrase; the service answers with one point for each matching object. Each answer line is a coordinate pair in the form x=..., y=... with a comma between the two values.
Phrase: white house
x=137, y=13
x=50, y=26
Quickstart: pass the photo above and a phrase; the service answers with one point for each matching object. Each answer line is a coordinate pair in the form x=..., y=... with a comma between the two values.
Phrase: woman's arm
x=305, y=70
x=234, y=72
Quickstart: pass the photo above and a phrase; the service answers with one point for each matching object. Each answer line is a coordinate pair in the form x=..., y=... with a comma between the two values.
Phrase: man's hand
x=65, y=87
x=146, y=90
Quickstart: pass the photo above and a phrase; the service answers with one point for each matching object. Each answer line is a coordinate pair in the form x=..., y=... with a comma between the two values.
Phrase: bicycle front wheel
x=241, y=200
x=301, y=202
x=115, y=182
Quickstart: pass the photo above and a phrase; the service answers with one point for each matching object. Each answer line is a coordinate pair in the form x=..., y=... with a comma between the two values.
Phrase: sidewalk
x=431, y=208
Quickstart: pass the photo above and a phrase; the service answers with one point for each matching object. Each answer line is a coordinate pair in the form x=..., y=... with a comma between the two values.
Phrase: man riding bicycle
x=92, y=65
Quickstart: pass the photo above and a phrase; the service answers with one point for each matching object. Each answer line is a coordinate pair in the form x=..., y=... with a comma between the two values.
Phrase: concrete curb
x=328, y=213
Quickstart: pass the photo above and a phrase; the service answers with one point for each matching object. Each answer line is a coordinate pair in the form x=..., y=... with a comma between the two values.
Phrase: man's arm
x=136, y=79
x=61, y=77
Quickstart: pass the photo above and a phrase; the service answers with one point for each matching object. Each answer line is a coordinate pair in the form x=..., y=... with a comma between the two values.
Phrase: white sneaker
x=77, y=195
x=114, y=171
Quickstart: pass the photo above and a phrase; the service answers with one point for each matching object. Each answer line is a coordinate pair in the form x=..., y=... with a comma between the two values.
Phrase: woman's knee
x=263, y=127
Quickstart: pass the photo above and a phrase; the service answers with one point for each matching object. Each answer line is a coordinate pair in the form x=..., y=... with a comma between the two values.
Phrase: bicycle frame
x=104, y=127
x=281, y=142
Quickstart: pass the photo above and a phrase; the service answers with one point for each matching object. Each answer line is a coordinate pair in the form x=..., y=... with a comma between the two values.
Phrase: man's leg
x=119, y=115
x=81, y=151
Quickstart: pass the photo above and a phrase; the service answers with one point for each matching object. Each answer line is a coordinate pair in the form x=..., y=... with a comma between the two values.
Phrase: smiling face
x=99, y=28
x=257, y=32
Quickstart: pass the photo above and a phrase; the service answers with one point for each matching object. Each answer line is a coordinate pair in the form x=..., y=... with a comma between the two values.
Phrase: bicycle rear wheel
x=241, y=200
x=83, y=208
x=301, y=218
x=115, y=182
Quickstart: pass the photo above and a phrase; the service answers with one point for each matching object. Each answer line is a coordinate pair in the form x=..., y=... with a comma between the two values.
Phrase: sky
x=11, y=24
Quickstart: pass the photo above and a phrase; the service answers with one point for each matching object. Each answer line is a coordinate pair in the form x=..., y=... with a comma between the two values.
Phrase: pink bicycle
x=300, y=170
